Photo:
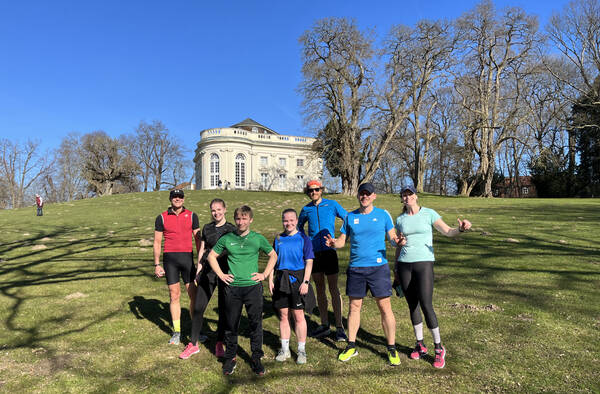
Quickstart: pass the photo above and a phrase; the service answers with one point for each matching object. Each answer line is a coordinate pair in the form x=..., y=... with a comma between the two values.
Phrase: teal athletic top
x=419, y=236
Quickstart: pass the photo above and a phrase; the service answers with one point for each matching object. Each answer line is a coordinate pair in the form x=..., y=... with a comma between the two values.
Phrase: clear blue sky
x=105, y=65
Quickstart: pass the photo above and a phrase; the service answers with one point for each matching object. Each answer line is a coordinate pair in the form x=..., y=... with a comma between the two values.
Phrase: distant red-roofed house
x=511, y=188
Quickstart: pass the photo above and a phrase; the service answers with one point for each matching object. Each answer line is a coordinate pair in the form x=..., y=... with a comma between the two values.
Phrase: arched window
x=215, y=173
x=240, y=170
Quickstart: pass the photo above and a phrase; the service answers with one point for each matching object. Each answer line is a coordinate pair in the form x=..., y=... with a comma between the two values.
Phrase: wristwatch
x=306, y=282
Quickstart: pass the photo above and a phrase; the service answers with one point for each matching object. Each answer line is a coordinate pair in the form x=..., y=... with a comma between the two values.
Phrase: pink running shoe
x=420, y=351
x=189, y=350
x=440, y=358
x=219, y=350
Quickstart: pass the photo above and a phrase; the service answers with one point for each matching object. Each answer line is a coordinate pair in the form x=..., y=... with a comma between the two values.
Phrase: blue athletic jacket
x=321, y=221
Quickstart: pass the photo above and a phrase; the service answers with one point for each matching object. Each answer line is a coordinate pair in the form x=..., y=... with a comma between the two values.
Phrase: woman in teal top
x=414, y=267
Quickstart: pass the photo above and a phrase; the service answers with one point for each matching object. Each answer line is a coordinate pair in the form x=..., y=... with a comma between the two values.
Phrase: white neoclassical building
x=250, y=156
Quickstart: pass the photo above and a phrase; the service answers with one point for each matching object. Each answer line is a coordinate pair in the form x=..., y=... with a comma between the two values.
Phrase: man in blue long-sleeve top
x=320, y=214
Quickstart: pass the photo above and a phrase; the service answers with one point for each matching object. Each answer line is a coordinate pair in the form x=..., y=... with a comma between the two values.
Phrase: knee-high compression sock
x=435, y=332
x=418, y=331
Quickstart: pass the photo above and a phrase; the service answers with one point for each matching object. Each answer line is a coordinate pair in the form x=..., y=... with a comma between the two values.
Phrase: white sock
x=302, y=347
x=419, y=331
x=435, y=332
x=285, y=344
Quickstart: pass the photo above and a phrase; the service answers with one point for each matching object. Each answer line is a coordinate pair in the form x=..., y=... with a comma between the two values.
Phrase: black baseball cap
x=409, y=188
x=368, y=187
x=175, y=193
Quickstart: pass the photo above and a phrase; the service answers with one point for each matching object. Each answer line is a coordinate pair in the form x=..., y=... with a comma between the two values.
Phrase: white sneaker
x=301, y=357
x=283, y=355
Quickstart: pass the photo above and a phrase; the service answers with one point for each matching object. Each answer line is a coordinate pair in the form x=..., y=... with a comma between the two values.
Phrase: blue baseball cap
x=409, y=188
x=368, y=187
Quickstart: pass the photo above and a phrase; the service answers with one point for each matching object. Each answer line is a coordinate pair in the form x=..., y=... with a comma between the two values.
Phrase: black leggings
x=208, y=281
x=416, y=280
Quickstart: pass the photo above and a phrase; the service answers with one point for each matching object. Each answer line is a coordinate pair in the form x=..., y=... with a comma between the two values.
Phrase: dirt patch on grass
x=524, y=317
x=73, y=296
x=512, y=240
x=46, y=239
x=562, y=242
x=145, y=242
x=476, y=308
x=39, y=247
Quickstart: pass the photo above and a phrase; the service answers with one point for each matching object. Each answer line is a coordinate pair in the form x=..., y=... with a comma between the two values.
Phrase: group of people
x=228, y=260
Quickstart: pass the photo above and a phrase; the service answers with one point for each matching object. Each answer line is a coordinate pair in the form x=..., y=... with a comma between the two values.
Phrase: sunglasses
x=365, y=193
x=177, y=196
x=316, y=189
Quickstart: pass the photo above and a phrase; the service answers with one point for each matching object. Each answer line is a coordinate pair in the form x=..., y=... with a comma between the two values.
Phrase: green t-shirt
x=419, y=237
x=242, y=255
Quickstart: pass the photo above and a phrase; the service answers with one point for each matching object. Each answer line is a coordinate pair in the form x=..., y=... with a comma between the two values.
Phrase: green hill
x=518, y=300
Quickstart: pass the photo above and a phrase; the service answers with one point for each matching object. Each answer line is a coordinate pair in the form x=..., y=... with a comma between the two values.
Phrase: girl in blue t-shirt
x=289, y=284
x=414, y=267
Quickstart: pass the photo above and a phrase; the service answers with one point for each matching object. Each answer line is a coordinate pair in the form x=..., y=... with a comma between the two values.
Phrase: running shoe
x=175, y=339
x=189, y=350
x=321, y=331
x=340, y=335
x=229, y=366
x=420, y=351
x=257, y=366
x=301, y=357
x=283, y=355
x=219, y=350
x=393, y=357
x=347, y=354
x=440, y=358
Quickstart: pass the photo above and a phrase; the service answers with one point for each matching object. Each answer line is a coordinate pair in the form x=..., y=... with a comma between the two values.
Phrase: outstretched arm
x=442, y=227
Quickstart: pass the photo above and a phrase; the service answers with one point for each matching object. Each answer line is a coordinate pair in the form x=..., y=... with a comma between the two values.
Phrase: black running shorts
x=326, y=262
x=179, y=264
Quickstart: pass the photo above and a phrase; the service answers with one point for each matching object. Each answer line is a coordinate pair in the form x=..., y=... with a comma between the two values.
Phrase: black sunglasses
x=177, y=196
x=316, y=189
x=364, y=193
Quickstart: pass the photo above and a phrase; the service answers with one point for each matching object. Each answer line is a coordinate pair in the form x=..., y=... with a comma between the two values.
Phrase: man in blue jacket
x=320, y=214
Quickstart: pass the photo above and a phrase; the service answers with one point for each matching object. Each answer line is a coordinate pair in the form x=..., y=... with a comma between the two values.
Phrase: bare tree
x=105, y=163
x=21, y=165
x=417, y=60
x=497, y=49
x=158, y=154
x=69, y=183
x=575, y=33
x=338, y=91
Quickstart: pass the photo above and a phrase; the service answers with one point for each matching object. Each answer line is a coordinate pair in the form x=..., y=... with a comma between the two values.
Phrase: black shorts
x=293, y=300
x=179, y=264
x=326, y=262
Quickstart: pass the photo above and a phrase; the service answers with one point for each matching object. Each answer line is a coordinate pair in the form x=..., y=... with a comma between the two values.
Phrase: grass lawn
x=517, y=298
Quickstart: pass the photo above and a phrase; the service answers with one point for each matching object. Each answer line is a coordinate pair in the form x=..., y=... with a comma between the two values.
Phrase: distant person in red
x=39, y=202
x=179, y=227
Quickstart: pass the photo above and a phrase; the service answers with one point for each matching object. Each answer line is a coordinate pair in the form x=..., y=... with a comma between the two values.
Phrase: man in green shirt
x=244, y=285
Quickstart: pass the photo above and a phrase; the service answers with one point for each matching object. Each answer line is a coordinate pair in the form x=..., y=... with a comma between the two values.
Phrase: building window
x=299, y=162
x=282, y=161
x=254, y=129
x=300, y=177
x=264, y=180
x=525, y=190
x=214, y=170
x=240, y=170
x=264, y=161
x=282, y=181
